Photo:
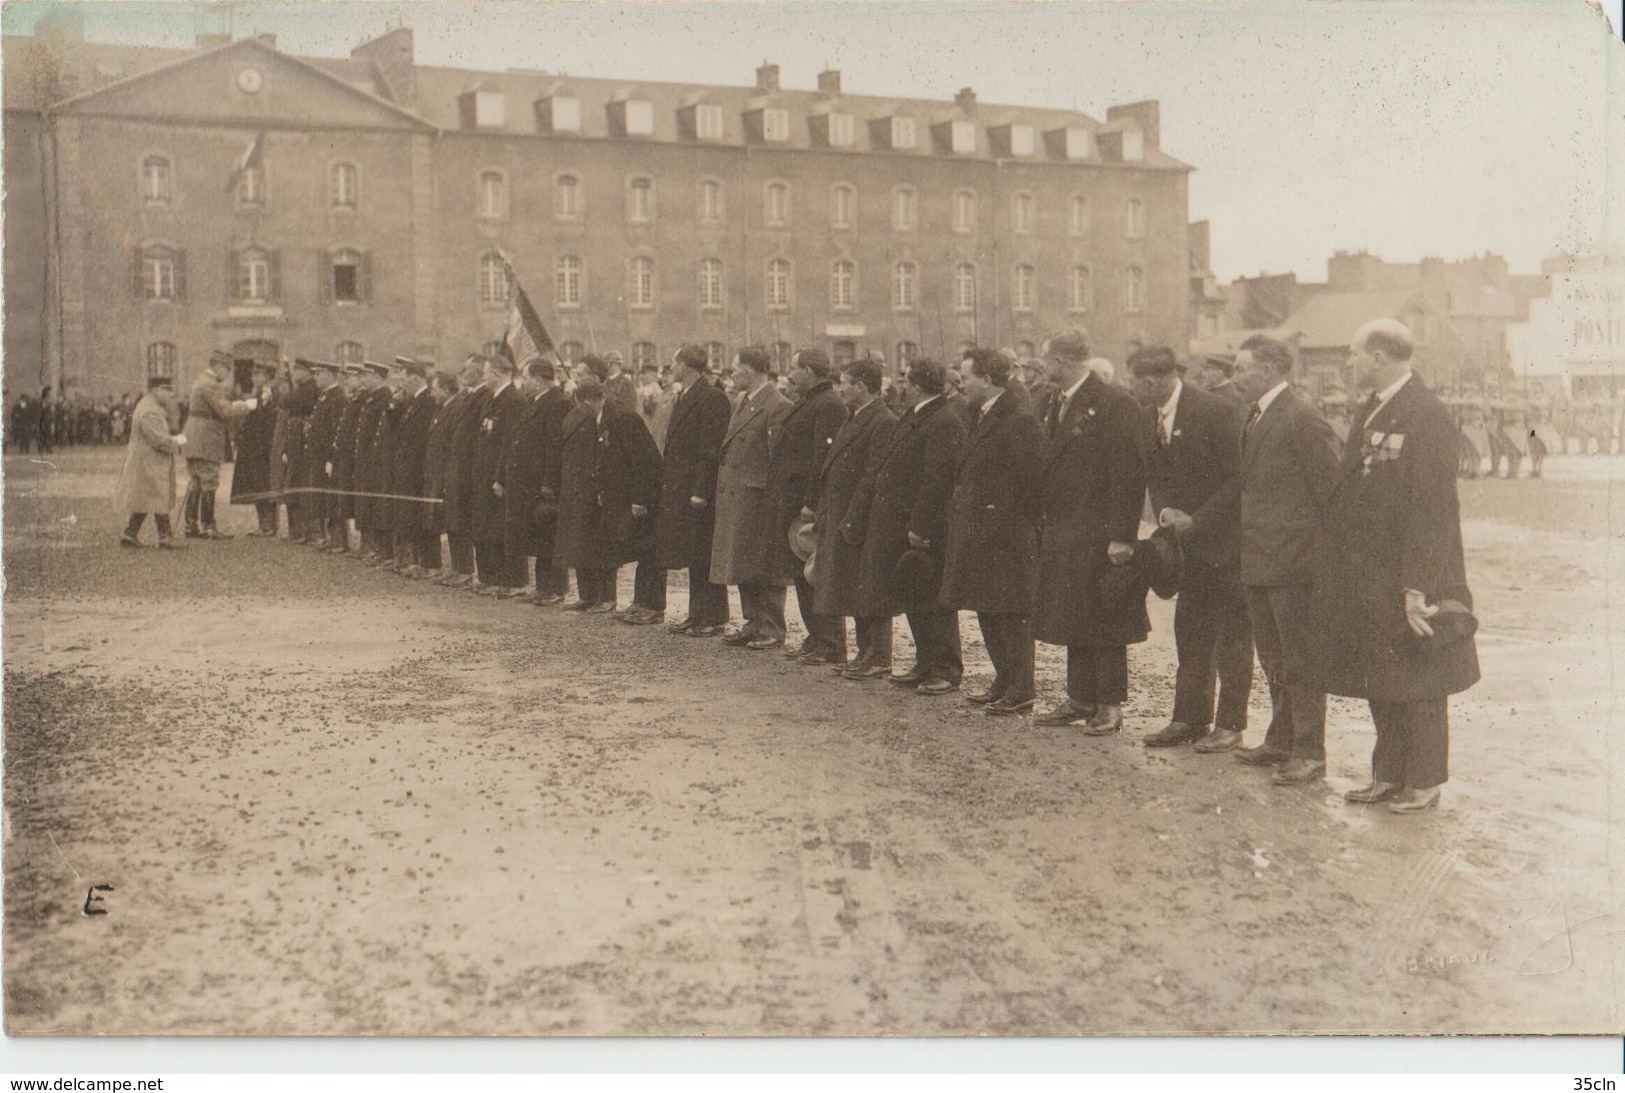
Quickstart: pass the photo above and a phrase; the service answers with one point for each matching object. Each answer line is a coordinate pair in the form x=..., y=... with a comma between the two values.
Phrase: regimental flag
x=252, y=158
x=526, y=337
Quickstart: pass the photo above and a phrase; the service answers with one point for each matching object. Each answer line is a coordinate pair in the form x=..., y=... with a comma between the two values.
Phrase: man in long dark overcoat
x=321, y=433
x=796, y=453
x=684, y=523
x=992, y=554
x=529, y=471
x=256, y=433
x=498, y=574
x=1092, y=487
x=740, y=552
x=609, y=485
x=460, y=457
x=838, y=501
x=296, y=411
x=417, y=551
x=373, y=435
x=341, y=504
x=907, y=513
x=449, y=398
x=1388, y=556
x=1193, y=456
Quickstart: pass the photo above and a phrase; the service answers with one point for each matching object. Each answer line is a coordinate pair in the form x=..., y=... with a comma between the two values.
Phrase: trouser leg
x=189, y=507
x=707, y=602
x=1196, y=632
x=937, y=648
x=1289, y=609
x=1234, y=655
x=1009, y=640
x=875, y=639
x=769, y=601
x=462, y=552
x=1267, y=640
x=649, y=586
x=827, y=633
x=1413, y=742
x=133, y=528
x=161, y=519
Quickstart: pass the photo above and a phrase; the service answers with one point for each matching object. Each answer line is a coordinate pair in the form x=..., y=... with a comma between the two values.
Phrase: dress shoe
x=911, y=678
x=620, y=612
x=1415, y=800
x=509, y=593
x=637, y=615
x=605, y=608
x=739, y=638
x=216, y=533
x=193, y=533
x=577, y=605
x=1175, y=734
x=704, y=630
x=1107, y=720
x=1218, y=740
x=454, y=580
x=1005, y=707
x=1261, y=756
x=682, y=627
x=552, y=599
x=808, y=645
x=936, y=687
x=1067, y=713
x=167, y=542
x=1297, y=772
x=390, y=566
x=128, y=540
x=863, y=672
x=486, y=590
x=987, y=697
x=813, y=659
x=764, y=641
x=1372, y=794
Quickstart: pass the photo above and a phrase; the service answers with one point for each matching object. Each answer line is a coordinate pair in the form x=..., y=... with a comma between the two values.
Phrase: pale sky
x=1403, y=127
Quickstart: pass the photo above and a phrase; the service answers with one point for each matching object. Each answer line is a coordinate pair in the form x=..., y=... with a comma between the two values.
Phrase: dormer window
x=776, y=125
x=640, y=117
x=708, y=122
x=1133, y=145
x=561, y=113
x=903, y=133
x=1021, y=140
x=490, y=109
x=962, y=137
x=1077, y=142
x=840, y=130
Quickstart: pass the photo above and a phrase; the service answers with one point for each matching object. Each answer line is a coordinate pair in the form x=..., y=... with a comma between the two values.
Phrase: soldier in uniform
x=838, y=501
x=209, y=445
x=321, y=432
x=251, y=478
x=796, y=452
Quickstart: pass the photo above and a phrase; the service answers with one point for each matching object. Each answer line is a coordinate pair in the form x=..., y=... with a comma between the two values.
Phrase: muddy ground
x=330, y=801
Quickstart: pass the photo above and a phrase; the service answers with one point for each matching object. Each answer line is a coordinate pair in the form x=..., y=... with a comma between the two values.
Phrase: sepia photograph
x=829, y=519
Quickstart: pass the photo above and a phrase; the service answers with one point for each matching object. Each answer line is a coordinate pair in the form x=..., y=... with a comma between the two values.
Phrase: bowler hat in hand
x=917, y=575
x=1454, y=623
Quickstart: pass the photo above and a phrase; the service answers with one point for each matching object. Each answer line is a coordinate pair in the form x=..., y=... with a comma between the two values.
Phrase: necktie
x=1367, y=410
x=1163, y=438
x=1252, y=419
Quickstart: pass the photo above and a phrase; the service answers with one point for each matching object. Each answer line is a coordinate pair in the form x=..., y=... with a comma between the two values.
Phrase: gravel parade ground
x=332, y=801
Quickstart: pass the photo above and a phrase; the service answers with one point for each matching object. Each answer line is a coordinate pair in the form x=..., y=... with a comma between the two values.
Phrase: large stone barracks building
x=161, y=203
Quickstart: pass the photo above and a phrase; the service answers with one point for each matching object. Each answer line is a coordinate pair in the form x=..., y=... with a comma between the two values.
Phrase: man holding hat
x=1391, y=615
x=1193, y=455
x=498, y=574
x=251, y=477
x=528, y=479
x=684, y=522
x=992, y=550
x=209, y=420
x=147, y=482
x=1092, y=487
x=905, y=532
x=321, y=435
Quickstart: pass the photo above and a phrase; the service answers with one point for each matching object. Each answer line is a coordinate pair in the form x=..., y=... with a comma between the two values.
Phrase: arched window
x=342, y=182
x=1021, y=214
x=567, y=281
x=907, y=353
x=1134, y=290
x=964, y=287
x=711, y=283
x=964, y=210
x=843, y=275
x=710, y=200
x=1080, y=215
x=904, y=208
x=254, y=276
x=1023, y=289
x=777, y=211
x=842, y=202
x=158, y=273
x=567, y=198
x=642, y=288
x=348, y=353
x=162, y=361
x=491, y=196
x=1136, y=219
x=778, y=284
x=1081, y=291
x=905, y=277
x=640, y=200
x=493, y=279
x=155, y=178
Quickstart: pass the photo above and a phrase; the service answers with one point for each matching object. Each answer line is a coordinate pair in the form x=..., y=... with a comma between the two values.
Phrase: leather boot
x=189, y=508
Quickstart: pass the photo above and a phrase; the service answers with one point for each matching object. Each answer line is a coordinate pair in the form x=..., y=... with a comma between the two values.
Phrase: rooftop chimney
x=966, y=99
x=393, y=54
x=767, y=77
x=1147, y=116
x=829, y=82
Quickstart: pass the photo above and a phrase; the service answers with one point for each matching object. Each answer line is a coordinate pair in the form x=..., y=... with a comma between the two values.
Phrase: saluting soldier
x=992, y=551
x=839, y=499
x=251, y=478
x=528, y=477
x=417, y=551
x=321, y=433
x=684, y=523
x=797, y=447
x=459, y=471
